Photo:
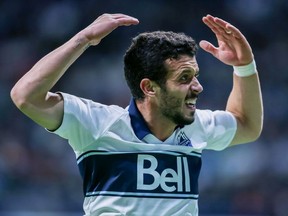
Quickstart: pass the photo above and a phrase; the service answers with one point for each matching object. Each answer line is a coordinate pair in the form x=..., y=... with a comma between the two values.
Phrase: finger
x=219, y=25
x=128, y=21
x=208, y=20
x=235, y=32
x=208, y=47
x=125, y=20
x=121, y=19
x=115, y=15
x=216, y=29
x=239, y=41
x=230, y=29
x=224, y=31
x=220, y=22
x=120, y=16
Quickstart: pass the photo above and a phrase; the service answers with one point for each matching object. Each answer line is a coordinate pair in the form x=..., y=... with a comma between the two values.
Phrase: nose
x=196, y=86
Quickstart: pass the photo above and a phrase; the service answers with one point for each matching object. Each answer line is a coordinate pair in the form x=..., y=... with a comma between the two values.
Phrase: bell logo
x=168, y=175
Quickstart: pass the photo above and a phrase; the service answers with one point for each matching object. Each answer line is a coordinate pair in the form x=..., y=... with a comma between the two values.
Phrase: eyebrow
x=195, y=71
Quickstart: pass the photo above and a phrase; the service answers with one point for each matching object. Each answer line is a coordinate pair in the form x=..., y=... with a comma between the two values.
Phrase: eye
x=185, y=78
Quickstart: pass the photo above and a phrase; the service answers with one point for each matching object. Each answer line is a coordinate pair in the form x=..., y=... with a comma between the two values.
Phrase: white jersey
x=128, y=171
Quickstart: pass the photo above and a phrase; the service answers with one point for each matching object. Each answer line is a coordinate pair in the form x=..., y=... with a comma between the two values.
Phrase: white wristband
x=245, y=70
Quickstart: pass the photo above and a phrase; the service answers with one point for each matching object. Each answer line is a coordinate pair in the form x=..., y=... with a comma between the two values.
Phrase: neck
x=159, y=126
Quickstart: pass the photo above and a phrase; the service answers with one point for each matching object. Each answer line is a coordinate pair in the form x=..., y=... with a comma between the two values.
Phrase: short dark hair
x=147, y=53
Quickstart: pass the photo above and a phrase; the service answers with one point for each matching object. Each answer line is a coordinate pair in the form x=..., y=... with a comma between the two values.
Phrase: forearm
x=32, y=95
x=245, y=102
x=37, y=82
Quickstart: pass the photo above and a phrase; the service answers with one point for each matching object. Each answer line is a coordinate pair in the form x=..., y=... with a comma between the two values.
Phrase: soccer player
x=145, y=159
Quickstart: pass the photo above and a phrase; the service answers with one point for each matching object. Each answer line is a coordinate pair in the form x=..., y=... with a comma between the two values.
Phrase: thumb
x=208, y=47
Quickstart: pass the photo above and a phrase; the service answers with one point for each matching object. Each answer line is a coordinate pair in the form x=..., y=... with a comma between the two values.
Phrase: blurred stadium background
x=38, y=171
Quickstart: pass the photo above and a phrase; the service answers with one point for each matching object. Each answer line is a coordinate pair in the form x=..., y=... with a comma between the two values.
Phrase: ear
x=148, y=87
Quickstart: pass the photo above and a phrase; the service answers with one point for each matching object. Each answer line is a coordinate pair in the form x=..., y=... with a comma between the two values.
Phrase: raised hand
x=104, y=25
x=32, y=92
x=233, y=48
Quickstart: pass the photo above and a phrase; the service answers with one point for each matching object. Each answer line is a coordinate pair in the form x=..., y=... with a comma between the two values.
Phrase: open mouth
x=191, y=103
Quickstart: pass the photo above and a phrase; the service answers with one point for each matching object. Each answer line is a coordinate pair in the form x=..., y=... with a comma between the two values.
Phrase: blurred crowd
x=38, y=170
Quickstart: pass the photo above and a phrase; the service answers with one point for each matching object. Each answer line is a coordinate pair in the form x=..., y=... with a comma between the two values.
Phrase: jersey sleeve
x=220, y=128
x=83, y=122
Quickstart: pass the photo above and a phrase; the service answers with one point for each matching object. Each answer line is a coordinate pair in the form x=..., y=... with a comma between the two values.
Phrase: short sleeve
x=83, y=122
x=220, y=128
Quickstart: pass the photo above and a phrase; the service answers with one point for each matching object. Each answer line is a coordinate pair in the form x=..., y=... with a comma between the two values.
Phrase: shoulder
x=214, y=117
x=72, y=101
x=88, y=112
x=218, y=126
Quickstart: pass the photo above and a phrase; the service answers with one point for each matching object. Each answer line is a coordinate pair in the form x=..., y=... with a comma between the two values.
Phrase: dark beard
x=170, y=108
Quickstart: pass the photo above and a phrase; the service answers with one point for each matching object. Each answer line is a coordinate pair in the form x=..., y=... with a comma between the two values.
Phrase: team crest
x=183, y=139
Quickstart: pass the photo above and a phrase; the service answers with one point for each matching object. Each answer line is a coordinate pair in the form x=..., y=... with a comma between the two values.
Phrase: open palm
x=105, y=24
x=233, y=48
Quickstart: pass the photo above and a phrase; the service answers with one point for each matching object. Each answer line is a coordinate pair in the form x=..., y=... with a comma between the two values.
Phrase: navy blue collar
x=137, y=121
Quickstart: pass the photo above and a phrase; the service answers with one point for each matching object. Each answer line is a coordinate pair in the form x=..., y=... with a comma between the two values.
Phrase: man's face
x=178, y=99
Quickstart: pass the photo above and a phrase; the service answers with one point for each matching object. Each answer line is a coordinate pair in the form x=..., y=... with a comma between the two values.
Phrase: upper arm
x=245, y=103
x=244, y=132
x=48, y=112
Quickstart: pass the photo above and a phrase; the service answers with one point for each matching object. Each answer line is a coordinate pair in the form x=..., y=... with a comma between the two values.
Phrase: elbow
x=255, y=131
x=255, y=135
x=248, y=131
x=18, y=98
x=258, y=132
x=258, y=126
